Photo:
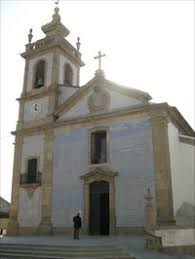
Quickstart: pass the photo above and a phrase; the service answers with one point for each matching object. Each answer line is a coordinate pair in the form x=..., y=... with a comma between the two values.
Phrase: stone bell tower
x=52, y=72
x=51, y=76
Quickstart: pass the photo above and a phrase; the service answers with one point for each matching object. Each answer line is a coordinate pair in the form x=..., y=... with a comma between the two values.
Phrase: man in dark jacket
x=77, y=225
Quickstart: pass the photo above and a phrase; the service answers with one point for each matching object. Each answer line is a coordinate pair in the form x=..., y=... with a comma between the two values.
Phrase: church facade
x=95, y=149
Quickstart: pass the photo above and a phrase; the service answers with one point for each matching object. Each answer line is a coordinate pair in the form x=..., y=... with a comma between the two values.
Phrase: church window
x=32, y=170
x=68, y=75
x=98, y=147
x=40, y=74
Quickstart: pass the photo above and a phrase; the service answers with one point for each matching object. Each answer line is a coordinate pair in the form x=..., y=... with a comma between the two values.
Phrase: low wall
x=180, y=241
x=176, y=237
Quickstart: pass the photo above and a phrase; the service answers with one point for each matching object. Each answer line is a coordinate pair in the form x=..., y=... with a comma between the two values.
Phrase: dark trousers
x=76, y=233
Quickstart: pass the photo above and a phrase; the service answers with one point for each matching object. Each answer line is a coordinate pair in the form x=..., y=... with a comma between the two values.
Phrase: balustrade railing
x=49, y=40
x=26, y=179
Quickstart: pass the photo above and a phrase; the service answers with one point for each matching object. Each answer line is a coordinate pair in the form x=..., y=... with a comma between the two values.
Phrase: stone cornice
x=137, y=110
x=187, y=140
x=100, y=172
x=162, y=109
x=179, y=121
x=38, y=93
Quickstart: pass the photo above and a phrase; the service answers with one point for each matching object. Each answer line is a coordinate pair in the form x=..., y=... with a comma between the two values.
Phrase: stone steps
x=20, y=251
x=61, y=248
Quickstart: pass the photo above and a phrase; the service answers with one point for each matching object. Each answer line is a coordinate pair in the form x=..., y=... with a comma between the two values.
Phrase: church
x=95, y=148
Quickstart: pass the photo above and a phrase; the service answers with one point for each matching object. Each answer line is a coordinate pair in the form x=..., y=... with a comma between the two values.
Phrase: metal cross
x=100, y=55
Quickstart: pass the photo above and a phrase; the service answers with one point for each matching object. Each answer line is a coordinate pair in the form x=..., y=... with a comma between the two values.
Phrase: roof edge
x=178, y=119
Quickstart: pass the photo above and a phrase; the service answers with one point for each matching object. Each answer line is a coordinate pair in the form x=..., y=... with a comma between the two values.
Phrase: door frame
x=95, y=176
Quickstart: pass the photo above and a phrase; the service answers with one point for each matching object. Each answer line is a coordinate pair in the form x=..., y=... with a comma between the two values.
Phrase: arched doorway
x=99, y=175
x=99, y=208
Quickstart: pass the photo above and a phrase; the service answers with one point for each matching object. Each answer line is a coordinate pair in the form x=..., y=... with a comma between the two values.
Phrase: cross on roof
x=100, y=55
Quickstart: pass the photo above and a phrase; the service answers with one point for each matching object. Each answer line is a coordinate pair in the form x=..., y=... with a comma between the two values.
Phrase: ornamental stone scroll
x=99, y=100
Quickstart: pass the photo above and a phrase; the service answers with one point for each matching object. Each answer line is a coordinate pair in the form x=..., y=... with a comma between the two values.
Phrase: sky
x=149, y=45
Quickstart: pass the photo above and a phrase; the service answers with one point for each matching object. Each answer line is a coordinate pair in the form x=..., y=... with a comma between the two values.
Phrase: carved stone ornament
x=99, y=100
x=30, y=189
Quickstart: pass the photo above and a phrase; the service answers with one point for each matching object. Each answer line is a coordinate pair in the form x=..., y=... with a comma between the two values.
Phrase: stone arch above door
x=99, y=174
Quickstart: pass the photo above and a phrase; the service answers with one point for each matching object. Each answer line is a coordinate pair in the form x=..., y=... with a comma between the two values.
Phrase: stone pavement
x=134, y=244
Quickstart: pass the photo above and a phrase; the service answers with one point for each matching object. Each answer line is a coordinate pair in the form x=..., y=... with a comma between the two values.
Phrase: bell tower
x=52, y=73
x=51, y=76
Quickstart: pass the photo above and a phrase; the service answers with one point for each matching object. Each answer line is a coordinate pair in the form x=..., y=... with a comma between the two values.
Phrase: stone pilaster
x=163, y=186
x=112, y=205
x=13, y=218
x=25, y=82
x=54, y=84
x=78, y=76
x=20, y=121
x=86, y=208
x=149, y=213
x=46, y=224
x=21, y=108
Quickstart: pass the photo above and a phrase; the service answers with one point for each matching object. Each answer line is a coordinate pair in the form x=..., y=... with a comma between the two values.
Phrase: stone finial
x=78, y=44
x=99, y=73
x=56, y=16
x=55, y=27
x=30, y=36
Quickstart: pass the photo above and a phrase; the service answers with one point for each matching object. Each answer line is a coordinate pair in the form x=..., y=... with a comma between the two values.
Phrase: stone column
x=149, y=213
x=46, y=224
x=112, y=206
x=13, y=214
x=162, y=167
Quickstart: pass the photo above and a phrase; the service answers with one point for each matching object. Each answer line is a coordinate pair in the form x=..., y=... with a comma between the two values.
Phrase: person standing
x=77, y=225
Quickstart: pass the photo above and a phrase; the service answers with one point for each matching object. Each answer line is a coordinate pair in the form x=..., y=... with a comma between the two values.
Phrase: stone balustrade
x=51, y=40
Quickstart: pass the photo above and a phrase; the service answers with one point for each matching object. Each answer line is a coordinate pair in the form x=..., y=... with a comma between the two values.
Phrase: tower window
x=68, y=75
x=98, y=147
x=40, y=74
x=32, y=170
